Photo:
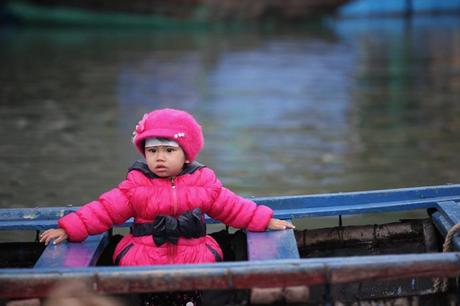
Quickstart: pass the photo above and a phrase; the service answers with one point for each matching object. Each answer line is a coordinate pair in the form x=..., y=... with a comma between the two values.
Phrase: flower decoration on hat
x=179, y=135
x=140, y=126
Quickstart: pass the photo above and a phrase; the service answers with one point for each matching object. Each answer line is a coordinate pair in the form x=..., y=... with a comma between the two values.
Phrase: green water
x=352, y=105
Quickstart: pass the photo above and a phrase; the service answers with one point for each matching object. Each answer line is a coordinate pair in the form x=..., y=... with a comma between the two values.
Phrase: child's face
x=165, y=161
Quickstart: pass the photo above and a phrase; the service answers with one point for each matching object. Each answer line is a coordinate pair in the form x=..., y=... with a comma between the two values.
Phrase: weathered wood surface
x=262, y=274
x=407, y=236
x=359, y=233
x=413, y=236
x=287, y=207
x=73, y=254
x=37, y=218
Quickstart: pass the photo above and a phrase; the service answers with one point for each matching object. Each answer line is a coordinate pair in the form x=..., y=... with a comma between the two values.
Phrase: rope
x=447, y=246
x=440, y=284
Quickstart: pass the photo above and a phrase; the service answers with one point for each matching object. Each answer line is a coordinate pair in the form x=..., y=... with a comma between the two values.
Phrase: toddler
x=168, y=195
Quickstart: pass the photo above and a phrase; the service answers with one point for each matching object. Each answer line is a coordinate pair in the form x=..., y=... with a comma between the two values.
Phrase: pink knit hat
x=172, y=124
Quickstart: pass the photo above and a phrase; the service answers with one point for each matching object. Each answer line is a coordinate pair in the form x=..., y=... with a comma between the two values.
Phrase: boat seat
x=273, y=245
x=73, y=254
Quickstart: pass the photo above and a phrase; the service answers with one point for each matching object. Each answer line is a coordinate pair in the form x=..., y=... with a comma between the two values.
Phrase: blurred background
x=320, y=97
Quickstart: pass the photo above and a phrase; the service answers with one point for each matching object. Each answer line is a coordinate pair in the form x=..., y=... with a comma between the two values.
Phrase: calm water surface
x=353, y=105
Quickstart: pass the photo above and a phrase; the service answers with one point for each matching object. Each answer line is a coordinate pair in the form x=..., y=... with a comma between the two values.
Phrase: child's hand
x=56, y=235
x=277, y=224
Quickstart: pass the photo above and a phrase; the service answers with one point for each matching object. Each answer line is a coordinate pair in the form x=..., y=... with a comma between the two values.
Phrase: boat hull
x=169, y=14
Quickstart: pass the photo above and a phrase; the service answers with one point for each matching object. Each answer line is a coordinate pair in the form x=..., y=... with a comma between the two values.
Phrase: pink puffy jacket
x=144, y=196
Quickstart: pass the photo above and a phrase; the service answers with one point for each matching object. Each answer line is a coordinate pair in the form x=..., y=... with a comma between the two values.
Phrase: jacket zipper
x=172, y=248
x=174, y=194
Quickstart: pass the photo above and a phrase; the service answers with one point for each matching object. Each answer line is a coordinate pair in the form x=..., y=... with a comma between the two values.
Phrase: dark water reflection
x=356, y=105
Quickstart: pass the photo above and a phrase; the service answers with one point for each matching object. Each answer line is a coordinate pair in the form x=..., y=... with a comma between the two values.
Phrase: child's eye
x=152, y=150
x=170, y=150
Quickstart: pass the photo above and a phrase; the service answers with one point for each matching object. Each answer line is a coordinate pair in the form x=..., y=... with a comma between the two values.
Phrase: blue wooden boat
x=280, y=265
x=166, y=14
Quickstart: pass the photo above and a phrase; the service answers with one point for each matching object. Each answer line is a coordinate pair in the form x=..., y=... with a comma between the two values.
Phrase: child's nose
x=160, y=155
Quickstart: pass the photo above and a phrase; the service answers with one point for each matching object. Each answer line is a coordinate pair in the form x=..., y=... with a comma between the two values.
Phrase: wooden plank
x=35, y=213
x=73, y=254
x=263, y=274
x=272, y=245
x=37, y=218
x=40, y=224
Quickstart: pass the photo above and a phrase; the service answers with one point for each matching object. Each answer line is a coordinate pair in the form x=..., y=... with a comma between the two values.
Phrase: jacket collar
x=141, y=166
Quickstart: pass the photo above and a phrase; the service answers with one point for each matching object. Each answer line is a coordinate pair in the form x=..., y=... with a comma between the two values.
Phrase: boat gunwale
x=233, y=275
x=285, y=207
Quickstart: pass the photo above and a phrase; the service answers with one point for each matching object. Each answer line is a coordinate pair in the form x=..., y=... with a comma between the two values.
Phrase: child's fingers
x=43, y=237
x=46, y=240
x=281, y=224
x=59, y=239
x=45, y=234
x=53, y=240
x=56, y=241
x=285, y=225
x=277, y=224
x=51, y=236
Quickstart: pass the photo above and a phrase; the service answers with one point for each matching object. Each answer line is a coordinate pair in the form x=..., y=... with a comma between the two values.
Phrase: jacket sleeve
x=235, y=210
x=98, y=216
